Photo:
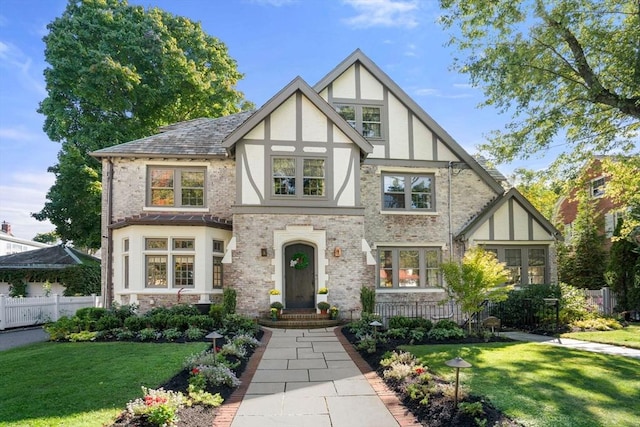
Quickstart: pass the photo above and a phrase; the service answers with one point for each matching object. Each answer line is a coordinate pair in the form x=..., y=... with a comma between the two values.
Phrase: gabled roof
x=496, y=204
x=359, y=56
x=54, y=257
x=297, y=85
x=193, y=138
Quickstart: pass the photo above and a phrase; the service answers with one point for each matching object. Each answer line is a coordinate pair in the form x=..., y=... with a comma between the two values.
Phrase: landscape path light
x=457, y=363
x=214, y=335
x=375, y=325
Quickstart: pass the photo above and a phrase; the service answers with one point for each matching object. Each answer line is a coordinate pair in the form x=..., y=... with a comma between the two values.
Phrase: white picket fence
x=28, y=311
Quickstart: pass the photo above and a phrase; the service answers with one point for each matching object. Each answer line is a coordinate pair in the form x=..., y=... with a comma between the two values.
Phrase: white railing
x=28, y=311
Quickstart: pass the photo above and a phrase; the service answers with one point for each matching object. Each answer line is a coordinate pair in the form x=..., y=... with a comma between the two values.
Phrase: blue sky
x=273, y=41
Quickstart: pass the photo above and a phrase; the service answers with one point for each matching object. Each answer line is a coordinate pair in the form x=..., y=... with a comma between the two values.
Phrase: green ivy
x=82, y=279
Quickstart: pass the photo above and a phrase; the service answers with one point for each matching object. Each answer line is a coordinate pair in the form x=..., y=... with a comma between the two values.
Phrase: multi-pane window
x=408, y=192
x=176, y=187
x=159, y=273
x=287, y=171
x=526, y=265
x=409, y=267
x=125, y=250
x=365, y=119
x=218, y=252
x=597, y=187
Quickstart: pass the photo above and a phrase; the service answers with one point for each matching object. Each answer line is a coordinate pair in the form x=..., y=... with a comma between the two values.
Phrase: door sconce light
x=263, y=251
x=337, y=252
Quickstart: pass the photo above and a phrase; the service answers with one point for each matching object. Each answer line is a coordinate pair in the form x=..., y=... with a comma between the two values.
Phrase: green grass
x=543, y=385
x=627, y=337
x=81, y=384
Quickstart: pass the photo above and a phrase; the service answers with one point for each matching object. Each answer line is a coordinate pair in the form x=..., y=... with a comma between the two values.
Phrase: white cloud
x=17, y=62
x=17, y=134
x=20, y=195
x=383, y=13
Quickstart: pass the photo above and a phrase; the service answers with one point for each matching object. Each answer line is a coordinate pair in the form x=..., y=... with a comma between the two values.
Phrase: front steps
x=299, y=319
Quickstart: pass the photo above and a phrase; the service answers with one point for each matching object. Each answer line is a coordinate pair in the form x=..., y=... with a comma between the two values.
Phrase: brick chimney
x=6, y=227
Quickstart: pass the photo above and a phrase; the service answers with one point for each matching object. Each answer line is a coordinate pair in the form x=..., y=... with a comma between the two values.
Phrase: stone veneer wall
x=252, y=275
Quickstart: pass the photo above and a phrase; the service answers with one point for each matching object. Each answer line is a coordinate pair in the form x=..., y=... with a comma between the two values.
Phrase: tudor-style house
x=345, y=184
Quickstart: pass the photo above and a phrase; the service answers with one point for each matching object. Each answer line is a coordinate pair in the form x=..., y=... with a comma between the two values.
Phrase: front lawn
x=627, y=337
x=82, y=384
x=542, y=385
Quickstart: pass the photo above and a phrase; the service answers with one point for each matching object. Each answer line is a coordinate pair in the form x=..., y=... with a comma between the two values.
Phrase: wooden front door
x=299, y=276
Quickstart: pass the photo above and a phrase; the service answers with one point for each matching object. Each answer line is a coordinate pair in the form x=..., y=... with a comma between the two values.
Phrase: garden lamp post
x=214, y=335
x=375, y=325
x=457, y=363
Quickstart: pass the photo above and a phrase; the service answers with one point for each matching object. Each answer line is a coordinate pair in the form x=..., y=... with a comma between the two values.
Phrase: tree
x=583, y=262
x=623, y=272
x=51, y=237
x=479, y=277
x=117, y=73
x=539, y=188
x=570, y=66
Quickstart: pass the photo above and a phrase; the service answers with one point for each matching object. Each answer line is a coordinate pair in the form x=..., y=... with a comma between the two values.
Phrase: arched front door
x=299, y=276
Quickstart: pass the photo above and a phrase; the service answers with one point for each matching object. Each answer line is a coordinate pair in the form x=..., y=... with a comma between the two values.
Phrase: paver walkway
x=308, y=378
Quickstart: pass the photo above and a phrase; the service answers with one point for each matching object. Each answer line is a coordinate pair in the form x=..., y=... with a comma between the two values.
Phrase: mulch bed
x=439, y=411
x=194, y=416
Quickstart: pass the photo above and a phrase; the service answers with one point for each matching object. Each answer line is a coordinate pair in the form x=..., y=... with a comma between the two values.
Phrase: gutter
x=108, y=290
x=450, y=172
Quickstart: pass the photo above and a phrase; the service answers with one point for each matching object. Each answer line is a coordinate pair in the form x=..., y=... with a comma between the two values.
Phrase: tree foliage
x=116, y=74
x=50, y=237
x=563, y=68
x=623, y=272
x=582, y=262
x=539, y=188
x=479, y=277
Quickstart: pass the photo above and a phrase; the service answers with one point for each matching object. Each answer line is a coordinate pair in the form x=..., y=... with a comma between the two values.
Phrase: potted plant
x=322, y=295
x=323, y=306
x=274, y=296
x=274, y=313
x=333, y=312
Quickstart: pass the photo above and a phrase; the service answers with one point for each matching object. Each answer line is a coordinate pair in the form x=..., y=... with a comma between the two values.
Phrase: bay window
x=159, y=273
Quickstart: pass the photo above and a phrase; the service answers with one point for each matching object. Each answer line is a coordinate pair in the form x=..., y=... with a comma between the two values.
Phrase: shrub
x=395, y=357
x=158, y=320
x=216, y=312
x=573, y=305
x=172, y=334
x=124, y=311
x=178, y=321
x=397, y=333
x=236, y=324
x=367, y=299
x=91, y=313
x=61, y=329
x=361, y=327
x=597, y=324
x=446, y=329
x=135, y=323
x=125, y=335
x=472, y=409
x=184, y=309
x=233, y=349
x=229, y=296
x=277, y=305
x=201, y=397
x=201, y=321
x=194, y=334
x=417, y=335
x=107, y=322
x=367, y=343
x=148, y=334
x=82, y=336
x=246, y=341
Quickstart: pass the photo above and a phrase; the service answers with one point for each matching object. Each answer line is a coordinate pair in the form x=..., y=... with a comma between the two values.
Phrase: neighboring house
x=345, y=184
x=34, y=265
x=596, y=185
x=12, y=245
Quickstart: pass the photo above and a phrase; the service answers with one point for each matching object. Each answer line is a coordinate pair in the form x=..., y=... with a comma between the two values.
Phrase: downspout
x=450, y=171
x=108, y=291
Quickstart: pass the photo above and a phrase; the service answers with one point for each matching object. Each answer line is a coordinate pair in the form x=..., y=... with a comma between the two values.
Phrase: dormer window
x=597, y=187
x=366, y=119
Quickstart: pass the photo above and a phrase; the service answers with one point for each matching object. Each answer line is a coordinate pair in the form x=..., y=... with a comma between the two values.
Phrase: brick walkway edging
x=227, y=412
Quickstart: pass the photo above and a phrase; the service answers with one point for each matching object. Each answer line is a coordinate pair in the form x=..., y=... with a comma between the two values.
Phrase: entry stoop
x=299, y=319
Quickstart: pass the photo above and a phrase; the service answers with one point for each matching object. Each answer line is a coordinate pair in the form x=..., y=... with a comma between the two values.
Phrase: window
x=176, y=187
x=408, y=192
x=287, y=171
x=409, y=267
x=181, y=272
x=218, y=252
x=365, y=119
x=526, y=265
x=597, y=187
